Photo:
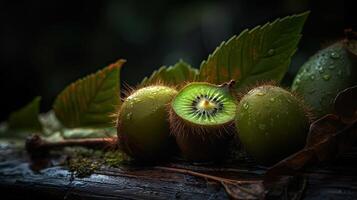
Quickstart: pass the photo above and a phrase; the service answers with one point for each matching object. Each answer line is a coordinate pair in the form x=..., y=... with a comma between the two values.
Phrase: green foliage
x=88, y=133
x=172, y=75
x=26, y=118
x=260, y=54
x=90, y=101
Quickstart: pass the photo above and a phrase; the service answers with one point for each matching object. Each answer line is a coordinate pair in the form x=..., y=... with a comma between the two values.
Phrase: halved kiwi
x=202, y=120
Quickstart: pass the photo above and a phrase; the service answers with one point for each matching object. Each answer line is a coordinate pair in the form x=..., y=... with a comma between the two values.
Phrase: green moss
x=82, y=167
x=115, y=158
x=84, y=162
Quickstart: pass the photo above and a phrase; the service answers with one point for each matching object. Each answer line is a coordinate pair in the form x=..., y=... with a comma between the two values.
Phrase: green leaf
x=88, y=133
x=174, y=75
x=260, y=54
x=90, y=101
x=26, y=118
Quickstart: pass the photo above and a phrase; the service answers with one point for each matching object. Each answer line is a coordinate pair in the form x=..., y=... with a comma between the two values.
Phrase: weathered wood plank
x=336, y=180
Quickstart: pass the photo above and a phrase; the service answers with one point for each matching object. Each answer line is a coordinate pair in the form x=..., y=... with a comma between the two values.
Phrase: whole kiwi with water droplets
x=326, y=73
x=143, y=126
x=271, y=123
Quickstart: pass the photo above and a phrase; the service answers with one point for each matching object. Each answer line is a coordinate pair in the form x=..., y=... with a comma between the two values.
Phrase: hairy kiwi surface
x=202, y=120
x=272, y=123
x=143, y=126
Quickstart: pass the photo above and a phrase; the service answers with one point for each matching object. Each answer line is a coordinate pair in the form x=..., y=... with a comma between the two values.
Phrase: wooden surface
x=337, y=180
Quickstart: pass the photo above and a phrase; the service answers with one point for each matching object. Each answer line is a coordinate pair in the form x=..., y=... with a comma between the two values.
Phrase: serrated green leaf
x=172, y=75
x=26, y=118
x=90, y=101
x=260, y=54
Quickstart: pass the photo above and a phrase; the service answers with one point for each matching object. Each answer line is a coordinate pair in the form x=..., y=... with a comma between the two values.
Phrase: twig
x=35, y=144
x=223, y=181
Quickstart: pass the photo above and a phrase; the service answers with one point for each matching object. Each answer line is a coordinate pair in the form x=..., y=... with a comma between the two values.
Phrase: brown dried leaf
x=346, y=104
x=245, y=190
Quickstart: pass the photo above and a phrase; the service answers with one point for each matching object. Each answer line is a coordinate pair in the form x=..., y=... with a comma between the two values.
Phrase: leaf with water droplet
x=263, y=53
x=173, y=75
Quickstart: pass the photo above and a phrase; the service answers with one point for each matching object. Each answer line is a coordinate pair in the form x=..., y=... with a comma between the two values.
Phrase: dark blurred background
x=45, y=45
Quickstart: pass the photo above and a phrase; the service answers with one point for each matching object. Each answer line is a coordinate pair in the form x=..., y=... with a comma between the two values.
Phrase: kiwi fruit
x=326, y=73
x=202, y=120
x=271, y=123
x=143, y=126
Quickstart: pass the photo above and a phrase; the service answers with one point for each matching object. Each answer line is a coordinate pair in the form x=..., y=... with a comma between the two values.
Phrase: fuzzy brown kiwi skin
x=202, y=143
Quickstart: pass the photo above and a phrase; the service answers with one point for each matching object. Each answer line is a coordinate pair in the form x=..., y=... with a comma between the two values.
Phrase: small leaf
x=90, y=101
x=173, y=75
x=26, y=118
x=260, y=54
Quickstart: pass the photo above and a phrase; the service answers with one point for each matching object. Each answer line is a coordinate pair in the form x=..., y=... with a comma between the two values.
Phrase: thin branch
x=223, y=181
x=36, y=144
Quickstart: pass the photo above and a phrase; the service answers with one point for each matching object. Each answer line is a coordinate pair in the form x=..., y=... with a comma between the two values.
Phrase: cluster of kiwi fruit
x=202, y=120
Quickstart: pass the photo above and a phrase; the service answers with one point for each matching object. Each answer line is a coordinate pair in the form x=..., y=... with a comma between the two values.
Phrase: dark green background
x=46, y=45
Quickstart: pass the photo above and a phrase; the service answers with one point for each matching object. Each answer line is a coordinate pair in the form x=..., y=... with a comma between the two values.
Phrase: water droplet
x=245, y=106
x=272, y=99
x=260, y=93
x=334, y=55
x=326, y=77
x=312, y=77
x=262, y=126
x=129, y=116
x=321, y=70
x=271, y=52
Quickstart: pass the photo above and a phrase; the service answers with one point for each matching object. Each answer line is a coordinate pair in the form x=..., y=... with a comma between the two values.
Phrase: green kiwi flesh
x=202, y=120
